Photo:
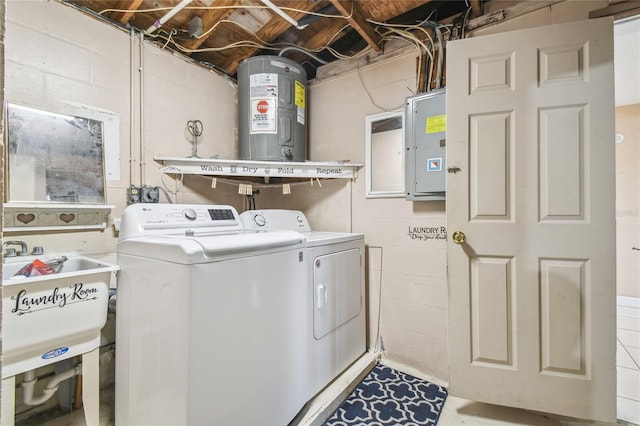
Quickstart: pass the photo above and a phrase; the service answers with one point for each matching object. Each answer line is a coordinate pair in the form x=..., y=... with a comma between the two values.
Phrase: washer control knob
x=190, y=214
x=299, y=219
x=259, y=220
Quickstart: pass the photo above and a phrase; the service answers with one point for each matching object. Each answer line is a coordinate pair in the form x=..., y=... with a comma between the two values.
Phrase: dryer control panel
x=149, y=219
x=272, y=219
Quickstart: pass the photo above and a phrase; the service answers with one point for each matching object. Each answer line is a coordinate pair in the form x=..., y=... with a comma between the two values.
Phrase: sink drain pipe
x=30, y=380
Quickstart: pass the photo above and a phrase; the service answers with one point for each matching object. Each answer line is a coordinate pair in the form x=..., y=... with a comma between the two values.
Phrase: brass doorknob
x=459, y=237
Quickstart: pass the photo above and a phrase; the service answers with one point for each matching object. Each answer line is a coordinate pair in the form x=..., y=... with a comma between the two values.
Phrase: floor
x=463, y=412
x=628, y=359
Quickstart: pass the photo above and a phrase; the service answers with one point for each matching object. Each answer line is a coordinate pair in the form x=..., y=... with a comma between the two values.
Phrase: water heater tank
x=272, y=109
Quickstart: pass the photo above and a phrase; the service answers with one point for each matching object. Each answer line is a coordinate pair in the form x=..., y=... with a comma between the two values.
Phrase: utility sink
x=49, y=318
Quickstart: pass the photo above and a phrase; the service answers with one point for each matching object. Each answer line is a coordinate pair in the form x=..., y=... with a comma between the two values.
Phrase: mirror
x=385, y=155
x=54, y=157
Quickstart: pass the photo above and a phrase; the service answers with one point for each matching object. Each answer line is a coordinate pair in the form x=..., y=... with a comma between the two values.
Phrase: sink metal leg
x=8, y=410
x=91, y=387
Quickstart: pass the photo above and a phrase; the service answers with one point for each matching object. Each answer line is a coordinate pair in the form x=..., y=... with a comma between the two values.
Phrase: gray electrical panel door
x=425, y=144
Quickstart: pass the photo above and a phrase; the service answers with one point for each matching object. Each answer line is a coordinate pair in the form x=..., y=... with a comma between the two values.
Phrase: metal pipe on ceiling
x=284, y=16
x=168, y=16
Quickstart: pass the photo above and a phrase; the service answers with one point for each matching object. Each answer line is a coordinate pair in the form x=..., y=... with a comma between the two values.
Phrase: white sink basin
x=49, y=318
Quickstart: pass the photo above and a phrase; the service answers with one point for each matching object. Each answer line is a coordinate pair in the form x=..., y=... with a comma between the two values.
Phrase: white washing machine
x=209, y=319
x=336, y=330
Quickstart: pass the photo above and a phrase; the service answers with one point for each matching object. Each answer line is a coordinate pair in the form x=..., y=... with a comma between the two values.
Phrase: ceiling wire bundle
x=433, y=65
x=459, y=26
x=390, y=31
x=234, y=7
x=259, y=44
x=169, y=35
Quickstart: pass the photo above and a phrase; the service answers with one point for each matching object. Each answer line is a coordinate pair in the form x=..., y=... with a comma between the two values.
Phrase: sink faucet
x=10, y=252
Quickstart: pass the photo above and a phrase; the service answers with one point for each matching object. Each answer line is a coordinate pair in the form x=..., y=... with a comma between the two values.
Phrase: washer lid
x=208, y=247
x=214, y=244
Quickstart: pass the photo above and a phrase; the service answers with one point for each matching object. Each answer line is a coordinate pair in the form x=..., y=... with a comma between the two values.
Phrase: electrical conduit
x=283, y=15
x=141, y=94
x=168, y=16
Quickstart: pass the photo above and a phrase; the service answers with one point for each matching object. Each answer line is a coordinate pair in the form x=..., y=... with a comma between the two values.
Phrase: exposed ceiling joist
x=476, y=8
x=330, y=33
x=351, y=11
x=220, y=34
x=269, y=32
x=130, y=7
x=617, y=9
x=209, y=19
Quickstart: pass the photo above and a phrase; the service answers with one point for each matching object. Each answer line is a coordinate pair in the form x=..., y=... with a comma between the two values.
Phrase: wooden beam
x=320, y=39
x=327, y=34
x=476, y=8
x=209, y=19
x=351, y=11
x=619, y=10
x=130, y=7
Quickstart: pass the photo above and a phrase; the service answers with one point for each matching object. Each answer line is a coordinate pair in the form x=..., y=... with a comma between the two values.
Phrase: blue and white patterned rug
x=389, y=397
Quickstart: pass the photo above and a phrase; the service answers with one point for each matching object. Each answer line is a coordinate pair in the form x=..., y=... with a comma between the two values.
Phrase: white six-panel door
x=530, y=126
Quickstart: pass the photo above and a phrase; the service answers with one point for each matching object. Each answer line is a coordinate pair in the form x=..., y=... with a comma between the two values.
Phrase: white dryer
x=207, y=329
x=336, y=330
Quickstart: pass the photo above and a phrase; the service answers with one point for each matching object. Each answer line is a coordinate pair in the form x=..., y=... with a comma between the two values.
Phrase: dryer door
x=336, y=283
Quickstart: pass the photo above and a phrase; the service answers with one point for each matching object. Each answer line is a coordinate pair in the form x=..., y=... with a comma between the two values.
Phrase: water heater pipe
x=286, y=17
x=168, y=16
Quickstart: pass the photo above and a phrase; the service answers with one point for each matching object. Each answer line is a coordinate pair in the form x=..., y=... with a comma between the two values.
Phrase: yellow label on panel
x=299, y=94
x=436, y=124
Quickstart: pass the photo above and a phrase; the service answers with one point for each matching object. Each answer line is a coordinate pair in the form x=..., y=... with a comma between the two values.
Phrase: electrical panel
x=425, y=146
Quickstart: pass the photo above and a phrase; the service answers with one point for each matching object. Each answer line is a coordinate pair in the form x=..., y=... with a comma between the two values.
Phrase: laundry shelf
x=29, y=217
x=264, y=169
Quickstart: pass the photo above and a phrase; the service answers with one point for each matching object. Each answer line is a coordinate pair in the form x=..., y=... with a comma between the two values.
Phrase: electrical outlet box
x=425, y=145
x=150, y=194
x=133, y=194
x=195, y=27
